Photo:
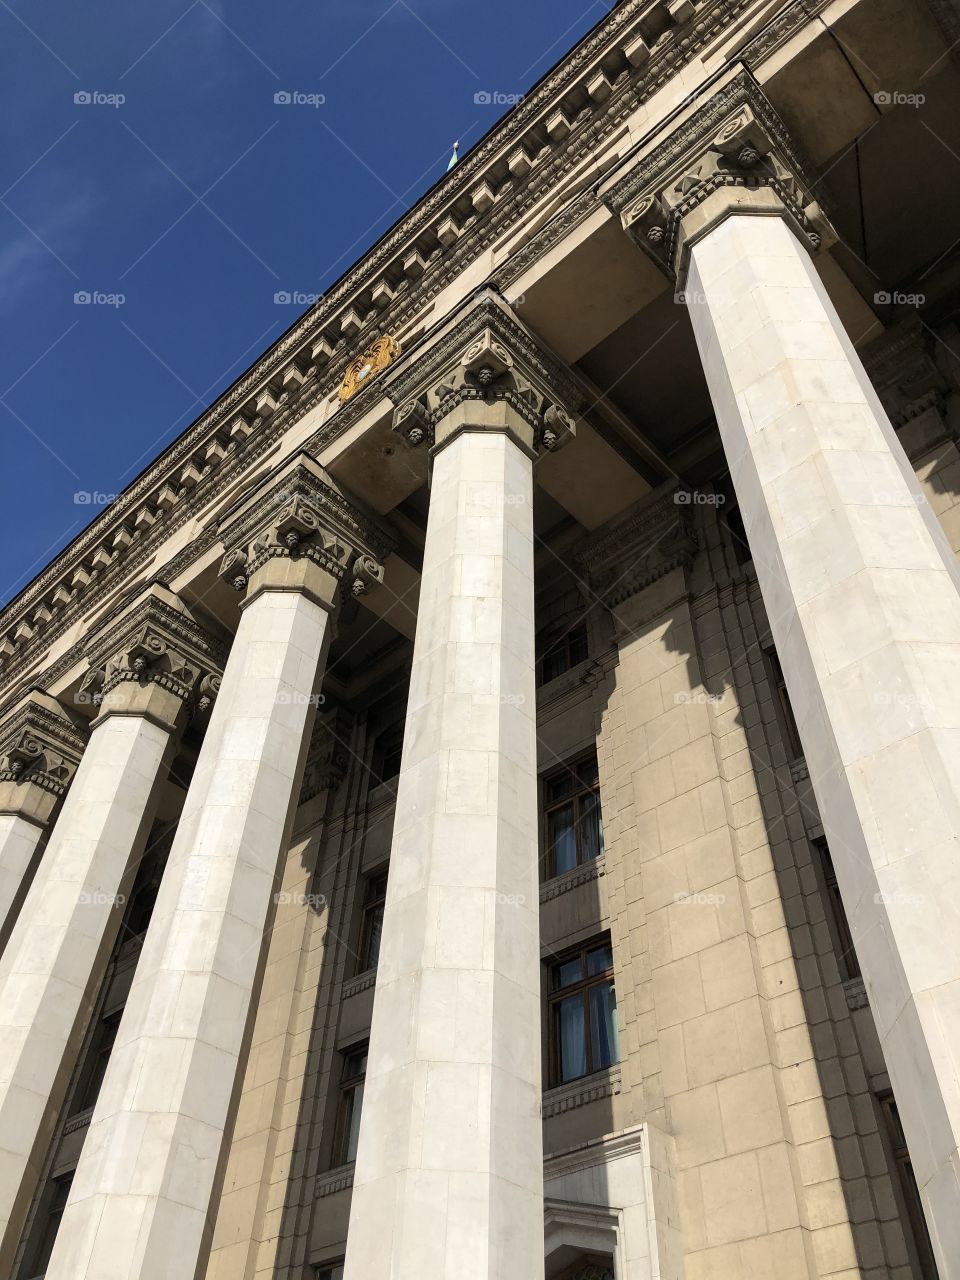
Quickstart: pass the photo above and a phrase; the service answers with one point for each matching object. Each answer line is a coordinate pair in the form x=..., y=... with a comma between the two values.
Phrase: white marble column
x=19, y=837
x=861, y=589
x=140, y=1204
x=58, y=947
x=40, y=751
x=449, y=1173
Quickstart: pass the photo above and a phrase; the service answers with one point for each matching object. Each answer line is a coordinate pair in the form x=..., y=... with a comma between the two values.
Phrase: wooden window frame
x=847, y=961
x=372, y=902
x=345, y=1101
x=569, y=643
x=584, y=985
x=788, y=721
x=577, y=798
x=909, y=1190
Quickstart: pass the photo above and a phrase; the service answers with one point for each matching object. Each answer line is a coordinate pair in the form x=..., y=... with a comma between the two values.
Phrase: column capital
x=730, y=154
x=484, y=372
x=153, y=660
x=40, y=748
x=298, y=532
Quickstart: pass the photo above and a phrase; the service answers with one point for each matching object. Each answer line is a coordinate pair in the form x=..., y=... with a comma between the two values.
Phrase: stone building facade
x=480, y=804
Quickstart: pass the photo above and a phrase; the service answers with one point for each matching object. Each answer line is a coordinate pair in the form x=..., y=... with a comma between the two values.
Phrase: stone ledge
x=361, y=982
x=799, y=771
x=856, y=994
x=602, y=1084
x=80, y=1121
x=573, y=879
x=339, y=1179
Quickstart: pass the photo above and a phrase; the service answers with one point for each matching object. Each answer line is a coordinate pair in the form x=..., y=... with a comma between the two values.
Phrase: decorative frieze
x=328, y=755
x=903, y=369
x=256, y=410
x=586, y=873
x=300, y=515
x=339, y=1179
x=654, y=537
x=158, y=642
x=40, y=745
x=734, y=140
x=486, y=359
x=593, y=1088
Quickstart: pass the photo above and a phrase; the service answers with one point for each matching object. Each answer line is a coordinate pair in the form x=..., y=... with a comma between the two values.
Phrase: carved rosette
x=487, y=360
x=301, y=515
x=734, y=141
x=40, y=745
x=156, y=642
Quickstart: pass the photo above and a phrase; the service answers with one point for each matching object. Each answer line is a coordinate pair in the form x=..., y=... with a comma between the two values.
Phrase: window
x=908, y=1186
x=98, y=1056
x=46, y=1225
x=738, y=535
x=371, y=925
x=583, y=1013
x=571, y=816
x=560, y=652
x=847, y=960
x=350, y=1106
x=788, y=724
x=334, y=1272
x=387, y=753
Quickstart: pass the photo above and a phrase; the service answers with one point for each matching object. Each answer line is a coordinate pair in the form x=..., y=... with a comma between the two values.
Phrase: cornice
x=783, y=27
x=593, y=1088
x=303, y=367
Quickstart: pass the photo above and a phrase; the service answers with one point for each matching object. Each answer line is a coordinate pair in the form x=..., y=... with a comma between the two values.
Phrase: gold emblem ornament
x=383, y=352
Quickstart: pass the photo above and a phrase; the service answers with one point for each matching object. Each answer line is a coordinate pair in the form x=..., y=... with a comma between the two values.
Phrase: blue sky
x=180, y=196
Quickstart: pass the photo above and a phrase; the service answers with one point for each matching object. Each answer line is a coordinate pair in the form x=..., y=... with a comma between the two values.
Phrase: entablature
x=623, y=62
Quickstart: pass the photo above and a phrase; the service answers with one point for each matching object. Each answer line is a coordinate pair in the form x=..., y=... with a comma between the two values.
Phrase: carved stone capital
x=651, y=539
x=40, y=748
x=732, y=154
x=484, y=372
x=153, y=660
x=298, y=532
